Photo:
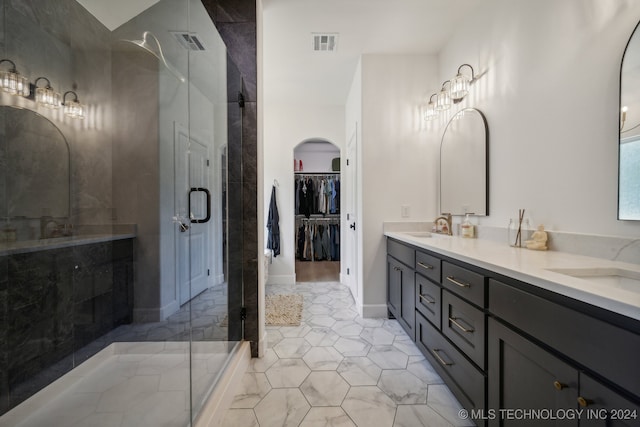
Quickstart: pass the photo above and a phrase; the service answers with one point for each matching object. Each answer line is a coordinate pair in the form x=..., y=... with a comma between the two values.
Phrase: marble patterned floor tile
x=403, y=387
x=377, y=336
x=422, y=369
x=323, y=358
x=388, y=357
x=327, y=417
x=419, y=415
x=344, y=314
x=322, y=337
x=407, y=346
x=321, y=321
x=324, y=388
x=369, y=323
x=287, y=373
x=347, y=328
x=320, y=309
x=261, y=364
x=394, y=327
x=352, y=346
x=240, y=417
x=292, y=348
x=285, y=407
x=444, y=402
x=359, y=371
x=274, y=336
x=251, y=390
x=295, y=331
x=369, y=406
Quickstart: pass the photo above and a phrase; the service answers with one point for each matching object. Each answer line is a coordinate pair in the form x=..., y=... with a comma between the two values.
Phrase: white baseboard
x=213, y=412
x=281, y=279
x=374, y=311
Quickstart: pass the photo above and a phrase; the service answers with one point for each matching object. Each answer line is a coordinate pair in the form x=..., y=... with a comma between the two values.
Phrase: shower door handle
x=208, y=194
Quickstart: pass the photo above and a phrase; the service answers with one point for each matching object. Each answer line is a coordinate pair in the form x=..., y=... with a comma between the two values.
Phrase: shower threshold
x=129, y=384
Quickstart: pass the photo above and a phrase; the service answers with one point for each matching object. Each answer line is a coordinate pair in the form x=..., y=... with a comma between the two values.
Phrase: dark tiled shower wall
x=236, y=23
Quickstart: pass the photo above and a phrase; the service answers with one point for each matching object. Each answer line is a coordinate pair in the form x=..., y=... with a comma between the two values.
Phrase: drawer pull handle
x=436, y=353
x=559, y=386
x=461, y=284
x=584, y=402
x=427, y=300
x=462, y=328
x=423, y=265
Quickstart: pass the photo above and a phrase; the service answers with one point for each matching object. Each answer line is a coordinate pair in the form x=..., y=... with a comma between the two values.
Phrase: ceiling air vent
x=326, y=42
x=189, y=40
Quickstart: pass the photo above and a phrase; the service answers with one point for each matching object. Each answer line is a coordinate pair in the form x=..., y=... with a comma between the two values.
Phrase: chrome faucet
x=446, y=217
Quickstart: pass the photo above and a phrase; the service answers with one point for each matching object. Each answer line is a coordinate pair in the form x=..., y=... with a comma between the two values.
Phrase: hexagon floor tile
x=342, y=371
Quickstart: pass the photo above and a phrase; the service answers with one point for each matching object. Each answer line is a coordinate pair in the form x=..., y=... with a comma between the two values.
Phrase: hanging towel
x=273, y=225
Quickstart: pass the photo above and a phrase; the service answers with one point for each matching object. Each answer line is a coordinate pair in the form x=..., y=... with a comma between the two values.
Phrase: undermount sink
x=613, y=277
x=419, y=233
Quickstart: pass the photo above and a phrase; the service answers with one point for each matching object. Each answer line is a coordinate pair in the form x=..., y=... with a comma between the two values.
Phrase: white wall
x=399, y=156
x=285, y=126
x=549, y=89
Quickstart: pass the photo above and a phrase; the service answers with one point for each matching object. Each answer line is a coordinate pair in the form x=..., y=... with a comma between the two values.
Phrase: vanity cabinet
x=401, y=294
x=503, y=345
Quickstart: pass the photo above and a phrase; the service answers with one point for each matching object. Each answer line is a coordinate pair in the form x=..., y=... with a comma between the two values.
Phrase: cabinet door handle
x=423, y=265
x=559, y=386
x=436, y=353
x=462, y=328
x=584, y=402
x=427, y=300
x=461, y=284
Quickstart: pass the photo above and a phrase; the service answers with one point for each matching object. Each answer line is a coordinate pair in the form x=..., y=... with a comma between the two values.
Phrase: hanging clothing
x=273, y=225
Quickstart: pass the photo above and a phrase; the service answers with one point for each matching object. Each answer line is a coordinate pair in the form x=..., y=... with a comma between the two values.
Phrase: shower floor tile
x=126, y=384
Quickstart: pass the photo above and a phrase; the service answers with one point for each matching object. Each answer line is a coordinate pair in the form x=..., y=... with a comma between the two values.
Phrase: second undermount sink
x=419, y=233
x=613, y=277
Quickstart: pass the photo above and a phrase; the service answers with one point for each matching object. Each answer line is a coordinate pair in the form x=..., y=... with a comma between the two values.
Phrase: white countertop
x=533, y=267
x=26, y=246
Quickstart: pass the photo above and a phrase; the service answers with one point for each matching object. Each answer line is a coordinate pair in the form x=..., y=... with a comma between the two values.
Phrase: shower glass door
x=113, y=292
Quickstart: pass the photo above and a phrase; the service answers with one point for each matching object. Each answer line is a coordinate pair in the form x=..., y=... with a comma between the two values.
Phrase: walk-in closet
x=317, y=211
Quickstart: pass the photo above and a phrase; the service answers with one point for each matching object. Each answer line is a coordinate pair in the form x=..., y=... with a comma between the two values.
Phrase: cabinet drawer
x=609, y=350
x=464, y=325
x=401, y=252
x=464, y=380
x=428, y=299
x=465, y=283
x=428, y=266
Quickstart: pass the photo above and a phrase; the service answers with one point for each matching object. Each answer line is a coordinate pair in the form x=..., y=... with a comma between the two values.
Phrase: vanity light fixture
x=46, y=96
x=72, y=108
x=430, y=112
x=452, y=92
x=13, y=82
x=443, y=100
x=460, y=84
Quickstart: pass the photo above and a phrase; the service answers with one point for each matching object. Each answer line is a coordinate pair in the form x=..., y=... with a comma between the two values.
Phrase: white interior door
x=351, y=176
x=192, y=246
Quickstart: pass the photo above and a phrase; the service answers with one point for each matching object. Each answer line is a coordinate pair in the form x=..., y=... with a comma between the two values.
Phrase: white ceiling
x=294, y=73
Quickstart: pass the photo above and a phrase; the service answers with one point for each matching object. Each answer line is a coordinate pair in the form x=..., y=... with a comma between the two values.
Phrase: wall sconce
x=443, y=100
x=430, y=112
x=460, y=84
x=72, y=108
x=13, y=82
x=46, y=96
x=452, y=91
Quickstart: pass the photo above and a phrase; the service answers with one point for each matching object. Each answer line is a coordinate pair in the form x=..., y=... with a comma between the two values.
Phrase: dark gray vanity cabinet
x=503, y=346
x=401, y=294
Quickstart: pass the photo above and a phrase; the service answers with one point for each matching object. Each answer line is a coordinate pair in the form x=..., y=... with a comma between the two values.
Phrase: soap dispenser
x=466, y=228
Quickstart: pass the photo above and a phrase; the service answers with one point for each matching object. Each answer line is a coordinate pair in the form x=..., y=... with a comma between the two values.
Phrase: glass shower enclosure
x=114, y=298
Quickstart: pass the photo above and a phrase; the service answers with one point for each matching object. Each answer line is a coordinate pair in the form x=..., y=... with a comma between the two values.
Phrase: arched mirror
x=35, y=170
x=629, y=144
x=463, y=165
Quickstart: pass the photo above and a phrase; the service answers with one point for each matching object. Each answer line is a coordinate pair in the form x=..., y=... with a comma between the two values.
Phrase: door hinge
x=347, y=217
x=243, y=313
x=347, y=271
x=207, y=162
x=208, y=272
x=347, y=162
x=240, y=100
